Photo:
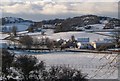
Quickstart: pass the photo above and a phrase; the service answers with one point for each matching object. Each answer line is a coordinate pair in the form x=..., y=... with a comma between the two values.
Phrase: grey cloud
x=40, y=16
x=37, y=7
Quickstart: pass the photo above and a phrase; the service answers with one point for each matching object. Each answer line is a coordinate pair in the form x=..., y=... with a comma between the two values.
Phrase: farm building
x=102, y=44
x=83, y=43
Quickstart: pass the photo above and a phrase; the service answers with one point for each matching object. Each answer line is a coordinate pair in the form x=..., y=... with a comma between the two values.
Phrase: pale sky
x=46, y=9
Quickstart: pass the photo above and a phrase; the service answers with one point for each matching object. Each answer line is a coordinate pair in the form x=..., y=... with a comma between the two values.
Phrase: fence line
x=80, y=66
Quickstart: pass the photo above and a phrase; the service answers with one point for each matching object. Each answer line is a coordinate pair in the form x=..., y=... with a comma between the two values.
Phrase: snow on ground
x=104, y=21
x=67, y=35
x=49, y=31
x=22, y=32
x=106, y=33
x=20, y=26
x=87, y=63
x=3, y=36
x=94, y=27
x=97, y=26
x=3, y=41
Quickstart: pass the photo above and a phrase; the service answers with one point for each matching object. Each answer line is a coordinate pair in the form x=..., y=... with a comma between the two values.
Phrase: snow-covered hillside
x=97, y=26
x=20, y=26
x=9, y=22
x=12, y=19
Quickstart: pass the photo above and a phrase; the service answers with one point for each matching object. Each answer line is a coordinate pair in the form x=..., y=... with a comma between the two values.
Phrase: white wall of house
x=96, y=44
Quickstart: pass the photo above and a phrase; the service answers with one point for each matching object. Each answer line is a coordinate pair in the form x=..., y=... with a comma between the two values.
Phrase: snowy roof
x=83, y=39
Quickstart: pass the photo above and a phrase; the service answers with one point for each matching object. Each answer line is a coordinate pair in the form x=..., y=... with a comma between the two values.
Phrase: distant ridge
x=10, y=20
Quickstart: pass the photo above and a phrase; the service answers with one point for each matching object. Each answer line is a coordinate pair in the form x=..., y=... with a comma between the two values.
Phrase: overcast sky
x=42, y=10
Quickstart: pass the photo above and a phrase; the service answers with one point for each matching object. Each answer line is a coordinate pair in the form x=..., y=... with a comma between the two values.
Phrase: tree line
x=29, y=42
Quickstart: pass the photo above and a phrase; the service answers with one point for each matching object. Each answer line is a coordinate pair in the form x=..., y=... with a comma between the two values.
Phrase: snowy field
x=64, y=35
x=67, y=35
x=20, y=26
x=88, y=63
x=3, y=36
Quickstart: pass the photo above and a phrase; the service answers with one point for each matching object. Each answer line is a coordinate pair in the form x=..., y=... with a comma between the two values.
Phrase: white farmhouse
x=83, y=43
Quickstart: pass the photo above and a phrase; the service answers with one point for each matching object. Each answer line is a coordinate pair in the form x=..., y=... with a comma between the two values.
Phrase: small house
x=83, y=43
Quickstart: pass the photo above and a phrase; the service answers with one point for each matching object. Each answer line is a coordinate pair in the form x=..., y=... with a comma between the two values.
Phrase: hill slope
x=9, y=22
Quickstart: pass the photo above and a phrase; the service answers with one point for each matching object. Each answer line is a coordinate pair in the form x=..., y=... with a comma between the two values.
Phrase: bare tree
x=27, y=41
x=14, y=30
x=116, y=38
x=30, y=29
x=114, y=59
x=49, y=43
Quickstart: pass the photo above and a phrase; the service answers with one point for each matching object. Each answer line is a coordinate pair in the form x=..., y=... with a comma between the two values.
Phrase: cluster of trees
x=34, y=26
x=30, y=42
x=28, y=68
x=51, y=44
x=26, y=40
x=12, y=30
x=70, y=23
x=116, y=38
x=52, y=21
x=112, y=23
